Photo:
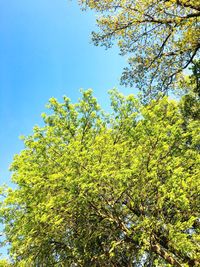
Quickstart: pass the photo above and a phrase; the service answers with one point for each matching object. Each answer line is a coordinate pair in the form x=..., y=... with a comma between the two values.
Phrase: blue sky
x=45, y=51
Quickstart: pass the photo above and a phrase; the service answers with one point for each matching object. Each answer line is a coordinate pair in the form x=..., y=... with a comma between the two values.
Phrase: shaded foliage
x=191, y=99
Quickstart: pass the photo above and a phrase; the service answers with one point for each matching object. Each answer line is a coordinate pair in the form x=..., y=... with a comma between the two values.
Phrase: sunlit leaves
x=106, y=190
x=160, y=39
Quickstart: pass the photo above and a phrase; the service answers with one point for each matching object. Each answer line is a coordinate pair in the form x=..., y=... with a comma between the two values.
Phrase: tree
x=190, y=101
x=161, y=38
x=194, y=79
x=94, y=189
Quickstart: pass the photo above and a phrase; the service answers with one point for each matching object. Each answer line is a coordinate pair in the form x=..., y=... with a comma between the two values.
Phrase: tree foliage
x=160, y=38
x=4, y=263
x=96, y=189
x=191, y=99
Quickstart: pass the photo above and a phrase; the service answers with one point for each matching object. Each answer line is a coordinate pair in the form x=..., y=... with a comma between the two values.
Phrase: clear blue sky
x=45, y=51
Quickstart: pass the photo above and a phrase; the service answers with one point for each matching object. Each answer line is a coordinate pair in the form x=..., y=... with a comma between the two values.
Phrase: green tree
x=96, y=189
x=160, y=38
x=195, y=77
x=190, y=101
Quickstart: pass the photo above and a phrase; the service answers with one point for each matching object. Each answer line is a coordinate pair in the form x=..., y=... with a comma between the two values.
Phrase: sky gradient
x=45, y=51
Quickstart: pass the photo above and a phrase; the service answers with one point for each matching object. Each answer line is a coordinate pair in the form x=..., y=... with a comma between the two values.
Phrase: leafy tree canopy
x=160, y=38
x=96, y=189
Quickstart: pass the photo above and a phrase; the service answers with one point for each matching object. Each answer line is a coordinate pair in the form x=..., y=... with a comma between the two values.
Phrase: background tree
x=191, y=87
x=106, y=190
x=160, y=38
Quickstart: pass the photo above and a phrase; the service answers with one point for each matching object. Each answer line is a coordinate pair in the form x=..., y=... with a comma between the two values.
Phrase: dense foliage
x=160, y=38
x=96, y=189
